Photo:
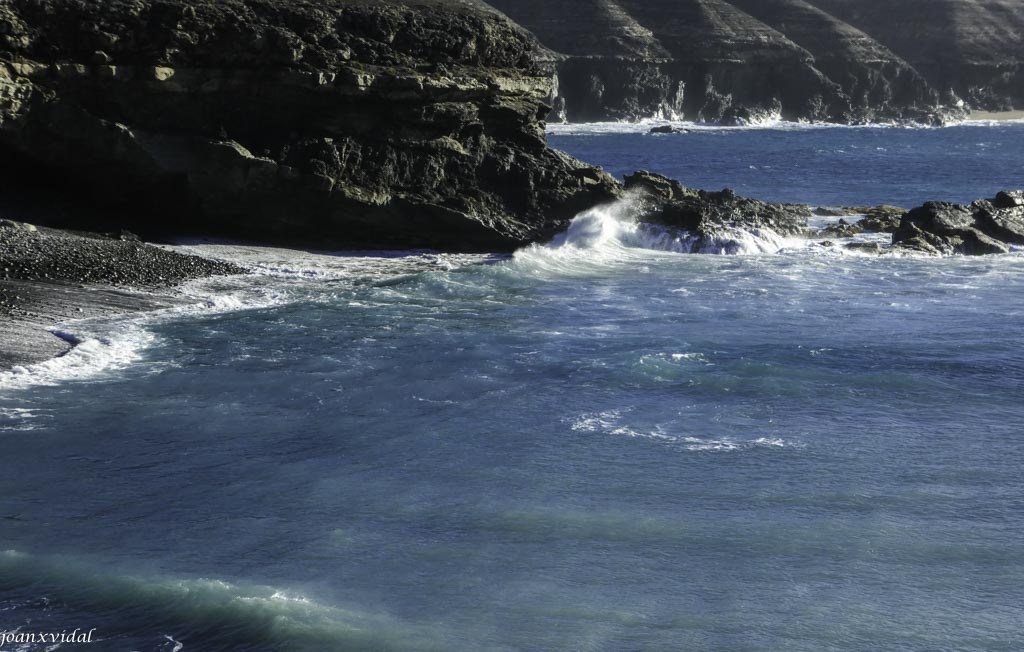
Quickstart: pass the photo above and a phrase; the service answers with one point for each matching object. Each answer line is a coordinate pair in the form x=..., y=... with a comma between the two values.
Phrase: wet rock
x=1009, y=199
x=979, y=228
x=708, y=215
x=841, y=229
x=881, y=219
x=831, y=211
x=864, y=247
x=877, y=219
x=1005, y=223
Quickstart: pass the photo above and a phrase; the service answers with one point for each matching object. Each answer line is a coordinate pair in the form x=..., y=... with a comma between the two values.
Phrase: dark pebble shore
x=49, y=276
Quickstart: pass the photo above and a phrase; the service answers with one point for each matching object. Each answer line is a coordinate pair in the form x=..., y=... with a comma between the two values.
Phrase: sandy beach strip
x=996, y=115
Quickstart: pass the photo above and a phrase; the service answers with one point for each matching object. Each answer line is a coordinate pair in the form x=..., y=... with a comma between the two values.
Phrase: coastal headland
x=380, y=124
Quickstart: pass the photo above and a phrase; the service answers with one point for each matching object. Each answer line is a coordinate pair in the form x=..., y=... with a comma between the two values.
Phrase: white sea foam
x=266, y=613
x=21, y=419
x=771, y=122
x=611, y=423
x=303, y=265
x=280, y=276
x=178, y=645
x=611, y=233
x=97, y=350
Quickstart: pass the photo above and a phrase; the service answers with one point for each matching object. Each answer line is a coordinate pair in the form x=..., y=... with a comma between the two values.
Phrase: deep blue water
x=830, y=166
x=598, y=446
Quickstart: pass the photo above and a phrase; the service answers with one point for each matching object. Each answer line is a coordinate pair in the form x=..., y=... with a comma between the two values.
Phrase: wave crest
x=613, y=232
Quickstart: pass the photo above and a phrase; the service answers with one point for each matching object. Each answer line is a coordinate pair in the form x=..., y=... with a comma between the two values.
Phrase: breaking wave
x=612, y=233
x=611, y=423
x=178, y=613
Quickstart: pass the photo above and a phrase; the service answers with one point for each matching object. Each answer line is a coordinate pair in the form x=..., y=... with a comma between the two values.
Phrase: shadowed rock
x=343, y=123
x=838, y=60
x=972, y=48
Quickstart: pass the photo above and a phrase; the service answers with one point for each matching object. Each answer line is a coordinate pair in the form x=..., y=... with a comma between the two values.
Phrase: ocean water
x=814, y=164
x=594, y=444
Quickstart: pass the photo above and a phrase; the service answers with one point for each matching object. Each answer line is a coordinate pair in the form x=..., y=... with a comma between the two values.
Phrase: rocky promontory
x=341, y=123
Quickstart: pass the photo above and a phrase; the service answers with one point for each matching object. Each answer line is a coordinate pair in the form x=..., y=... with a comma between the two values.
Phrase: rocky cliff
x=731, y=60
x=339, y=123
x=973, y=49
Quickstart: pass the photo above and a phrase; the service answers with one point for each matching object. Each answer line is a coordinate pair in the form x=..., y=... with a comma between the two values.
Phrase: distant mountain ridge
x=737, y=60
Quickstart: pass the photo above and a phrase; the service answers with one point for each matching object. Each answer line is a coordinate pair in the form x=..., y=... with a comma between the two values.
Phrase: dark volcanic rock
x=713, y=218
x=974, y=48
x=984, y=227
x=877, y=219
x=823, y=60
x=864, y=247
x=1009, y=199
x=344, y=123
x=881, y=219
x=876, y=83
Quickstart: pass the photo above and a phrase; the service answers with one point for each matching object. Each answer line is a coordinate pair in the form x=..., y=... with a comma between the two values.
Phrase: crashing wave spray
x=614, y=232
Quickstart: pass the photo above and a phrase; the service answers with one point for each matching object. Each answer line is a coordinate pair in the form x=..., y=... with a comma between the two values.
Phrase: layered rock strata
x=343, y=123
x=735, y=61
x=968, y=49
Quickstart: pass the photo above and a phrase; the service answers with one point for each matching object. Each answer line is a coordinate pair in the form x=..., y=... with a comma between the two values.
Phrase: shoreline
x=49, y=277
x=27, y=331
x=995, y=116
x=646, y=125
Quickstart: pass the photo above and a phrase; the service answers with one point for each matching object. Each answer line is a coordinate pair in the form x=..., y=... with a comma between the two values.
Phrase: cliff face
x=606, y=64
x=971, y=48
x=344, y=123
x=873, y=80
x=841, y=60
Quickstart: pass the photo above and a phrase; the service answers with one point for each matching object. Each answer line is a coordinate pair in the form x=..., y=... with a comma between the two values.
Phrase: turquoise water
x=591, y=446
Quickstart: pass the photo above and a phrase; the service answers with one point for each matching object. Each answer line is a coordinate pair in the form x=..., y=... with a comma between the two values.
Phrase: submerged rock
x=877, y=219
x=872, y=248
x=983, y=227
x=342, y=123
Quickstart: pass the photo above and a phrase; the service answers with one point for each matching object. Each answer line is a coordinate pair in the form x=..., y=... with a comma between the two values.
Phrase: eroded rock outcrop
x=983, y=227
x=714, y=221
x=342, y=123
